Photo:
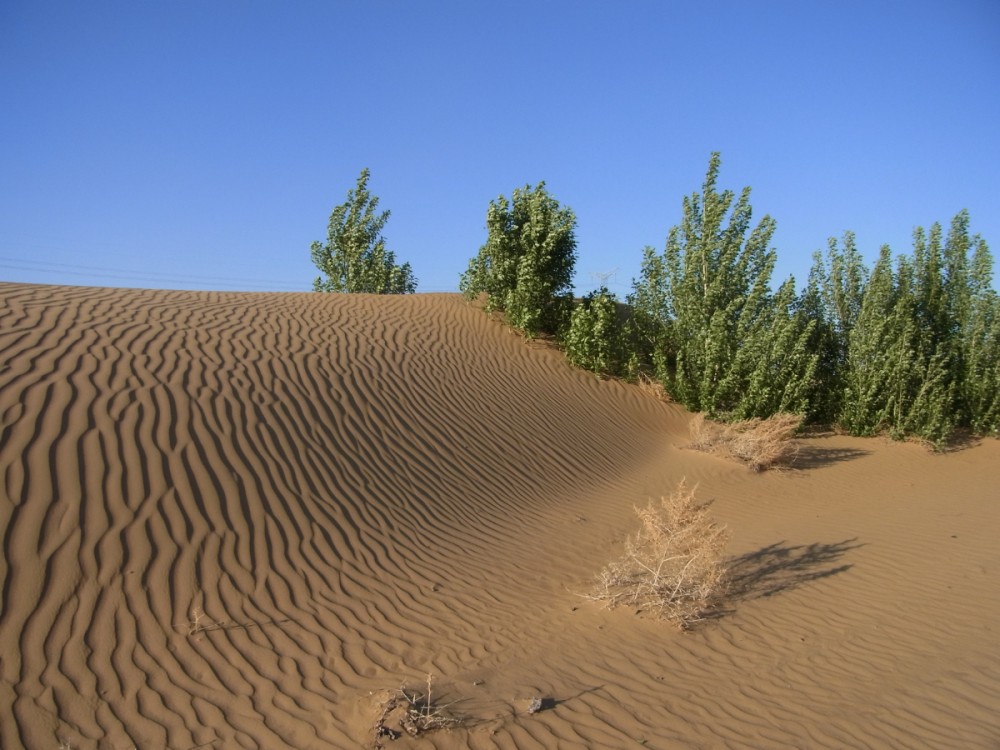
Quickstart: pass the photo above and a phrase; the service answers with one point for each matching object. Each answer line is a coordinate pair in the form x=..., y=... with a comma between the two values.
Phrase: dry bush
x=759, y=443
x=673, y=566
x=413, y=712
x=652, y=387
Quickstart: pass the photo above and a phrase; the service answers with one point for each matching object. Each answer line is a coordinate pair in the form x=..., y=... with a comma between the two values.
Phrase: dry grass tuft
x=761, y=444
x=673, y=566
x=652, y=387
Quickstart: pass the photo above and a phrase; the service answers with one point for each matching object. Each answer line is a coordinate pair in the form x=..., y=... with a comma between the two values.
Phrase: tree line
x=908, y=347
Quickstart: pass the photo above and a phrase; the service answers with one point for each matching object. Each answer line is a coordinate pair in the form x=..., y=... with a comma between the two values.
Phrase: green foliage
x=832, y=299
x=923, y=357
x=980, y=386
x=874, y=352
x=911, y=348
x=354, y=258
x=774, y=368
x=594, y=339
x=718, y=286
x=526, y=266
x=979, y=382
x=718, y=339
x=647, y=330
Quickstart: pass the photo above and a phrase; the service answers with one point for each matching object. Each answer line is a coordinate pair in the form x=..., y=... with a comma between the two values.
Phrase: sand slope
x=341, y=494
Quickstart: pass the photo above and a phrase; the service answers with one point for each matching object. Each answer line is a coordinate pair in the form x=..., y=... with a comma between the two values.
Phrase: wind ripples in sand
x=224, y=514
x=227, y=519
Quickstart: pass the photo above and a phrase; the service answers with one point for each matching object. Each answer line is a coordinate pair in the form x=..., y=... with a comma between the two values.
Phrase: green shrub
x=354, y=258
x=526, y=266
x=594, y=339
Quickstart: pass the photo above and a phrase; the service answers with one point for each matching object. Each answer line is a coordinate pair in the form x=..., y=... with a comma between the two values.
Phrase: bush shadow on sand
x=781, y=567
x=815, y=457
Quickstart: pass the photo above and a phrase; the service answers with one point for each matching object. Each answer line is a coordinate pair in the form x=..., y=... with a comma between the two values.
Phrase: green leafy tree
x=979, y=381
x=721, y=341
x=355, y=258
x=923, y=355
x=526, y=266
x=774, y=367
x=647, y=329
x=823, y=396
x=937, y=289
x=980, y=388
x=832, y=298
x=843, y=291
x=594, y=339
x=922, y=392
x=876, y=342
x=897, y=378
x=717, y=284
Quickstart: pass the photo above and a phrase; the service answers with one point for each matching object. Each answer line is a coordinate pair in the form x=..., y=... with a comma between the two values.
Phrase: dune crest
x=232, y=519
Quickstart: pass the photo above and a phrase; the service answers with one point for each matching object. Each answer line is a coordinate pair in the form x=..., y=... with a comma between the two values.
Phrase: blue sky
x=202, y=145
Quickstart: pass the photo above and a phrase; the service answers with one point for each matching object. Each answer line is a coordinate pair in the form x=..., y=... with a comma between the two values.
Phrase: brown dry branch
x=413, y=712
x=673, y=566
x=199, y=623
x=761, y=444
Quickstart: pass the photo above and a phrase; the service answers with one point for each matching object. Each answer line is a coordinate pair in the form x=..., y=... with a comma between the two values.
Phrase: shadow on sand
x=814, y=457
x=781, y=567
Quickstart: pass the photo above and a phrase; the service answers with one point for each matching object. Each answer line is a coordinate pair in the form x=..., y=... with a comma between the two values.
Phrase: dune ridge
x=231, y=519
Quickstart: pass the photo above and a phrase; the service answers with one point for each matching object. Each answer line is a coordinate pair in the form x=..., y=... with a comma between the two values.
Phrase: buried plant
x=673, y=566
x=413, y=712
x=761, y=444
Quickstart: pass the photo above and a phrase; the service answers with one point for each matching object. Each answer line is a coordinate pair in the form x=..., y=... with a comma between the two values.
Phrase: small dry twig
x=196, y=624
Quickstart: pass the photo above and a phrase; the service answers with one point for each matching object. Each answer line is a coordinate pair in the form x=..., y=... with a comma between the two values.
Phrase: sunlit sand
x=242, y=520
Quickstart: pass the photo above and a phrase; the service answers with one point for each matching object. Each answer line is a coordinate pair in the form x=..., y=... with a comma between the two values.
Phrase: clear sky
x=202, y=144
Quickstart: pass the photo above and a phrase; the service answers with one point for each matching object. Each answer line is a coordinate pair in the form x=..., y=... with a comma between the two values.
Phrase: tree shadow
x=959, y=441
x=815, y=457
x=781, y=567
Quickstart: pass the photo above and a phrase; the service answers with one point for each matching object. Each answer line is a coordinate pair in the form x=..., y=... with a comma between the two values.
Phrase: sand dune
x=235, y=520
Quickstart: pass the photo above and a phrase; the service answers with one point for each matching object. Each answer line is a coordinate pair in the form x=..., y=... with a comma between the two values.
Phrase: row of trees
x=910, y=346
x=913, y=346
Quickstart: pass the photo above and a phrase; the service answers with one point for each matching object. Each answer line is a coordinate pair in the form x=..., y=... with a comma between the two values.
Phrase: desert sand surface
x=238, y=520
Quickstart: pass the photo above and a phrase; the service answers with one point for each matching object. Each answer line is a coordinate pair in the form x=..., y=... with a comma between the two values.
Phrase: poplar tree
x=936, y=294
x=355, y=258
x=716, y=278
x=723, y=343
x=979, y=383
x=647, y=330
x=869, y=357
x=526, y=266
x=774, y=367
x=594, y=339
x=923, y=356
x=832, y=298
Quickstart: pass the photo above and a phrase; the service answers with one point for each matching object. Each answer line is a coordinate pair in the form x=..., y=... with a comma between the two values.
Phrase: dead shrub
x=761, y=444
x=673, y=566
x=652, y=387
x=413, y=712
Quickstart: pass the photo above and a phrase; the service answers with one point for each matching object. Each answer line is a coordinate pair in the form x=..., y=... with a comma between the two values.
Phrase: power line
x=123, y=274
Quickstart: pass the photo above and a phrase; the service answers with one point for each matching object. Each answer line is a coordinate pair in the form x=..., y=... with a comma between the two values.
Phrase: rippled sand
x=236, y=520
